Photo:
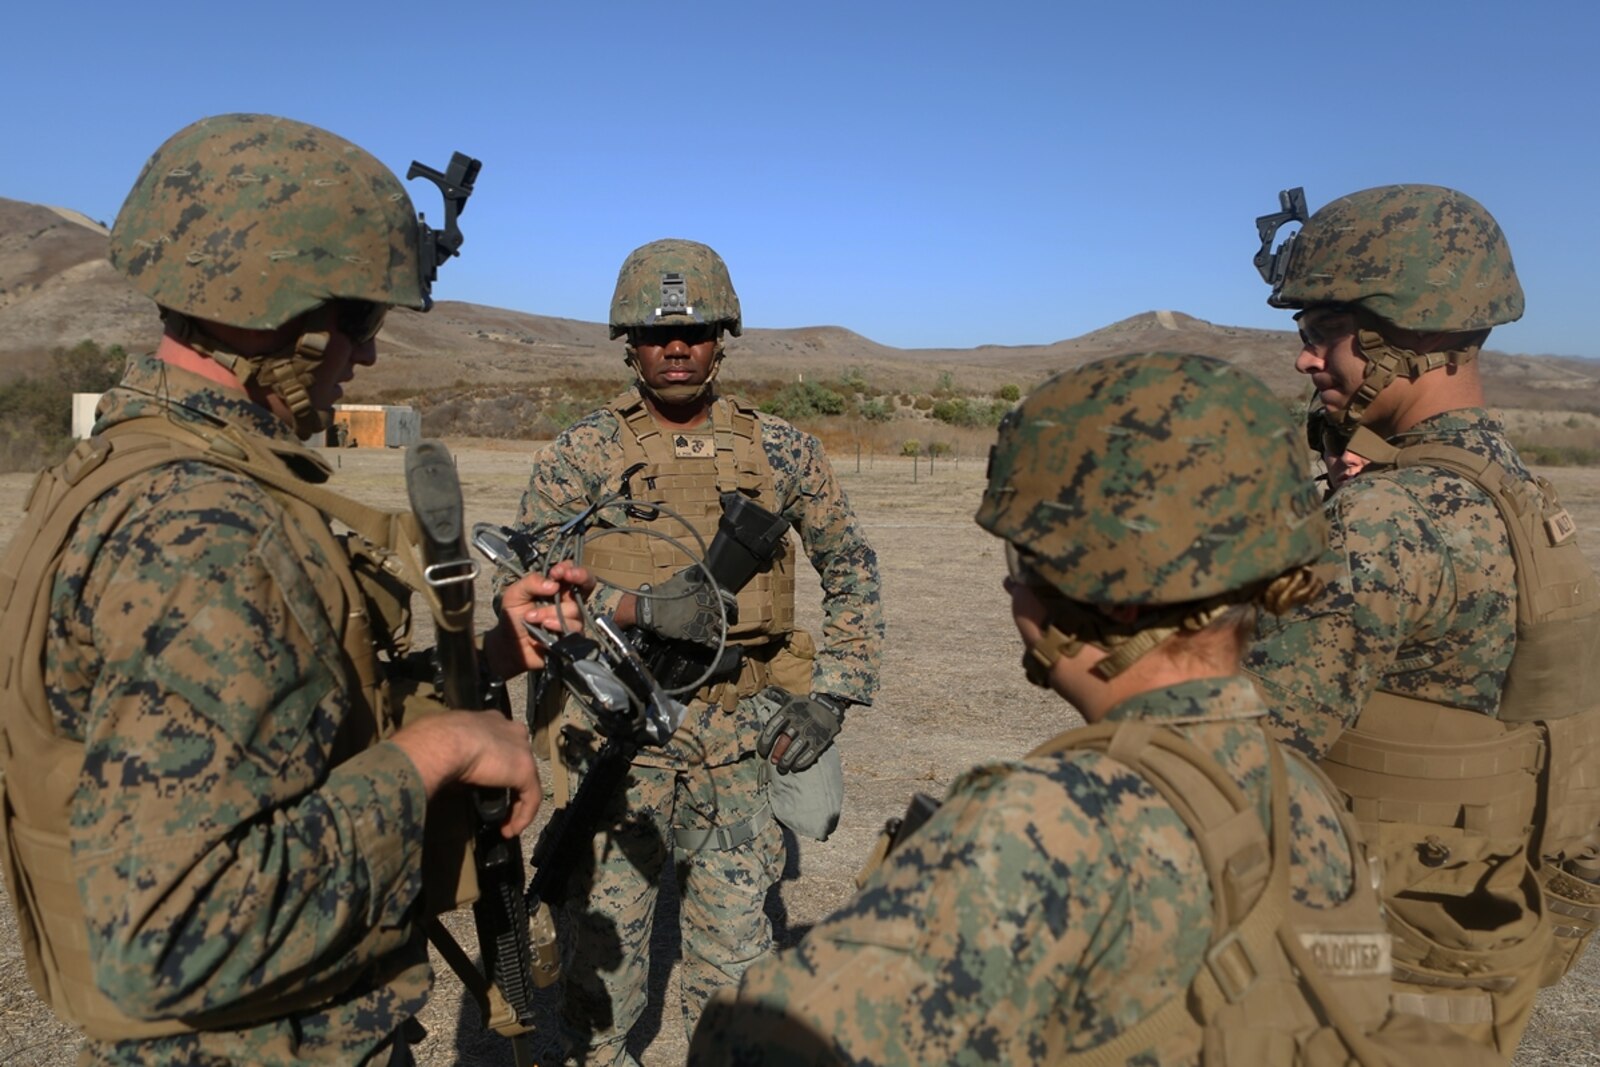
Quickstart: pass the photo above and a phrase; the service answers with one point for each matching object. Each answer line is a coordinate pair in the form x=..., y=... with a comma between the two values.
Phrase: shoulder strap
x=1553, y=580
x=58, y=498
x=1371, y=447
x=1233, y=845
x=1249, y=884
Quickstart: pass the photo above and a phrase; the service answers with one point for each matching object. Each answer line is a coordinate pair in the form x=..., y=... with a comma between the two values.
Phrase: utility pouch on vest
x=1446, y=798
x=790, y=664
x=1411, y=761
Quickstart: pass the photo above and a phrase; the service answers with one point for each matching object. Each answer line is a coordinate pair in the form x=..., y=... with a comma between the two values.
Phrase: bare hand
x=479, y=748
x=547, y=603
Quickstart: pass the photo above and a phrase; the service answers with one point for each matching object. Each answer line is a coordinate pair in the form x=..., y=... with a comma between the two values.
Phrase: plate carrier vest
x=688, y=471
x=1434, y=781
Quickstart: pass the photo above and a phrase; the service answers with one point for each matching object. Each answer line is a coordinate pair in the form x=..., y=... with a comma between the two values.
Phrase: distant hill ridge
x=57, y=289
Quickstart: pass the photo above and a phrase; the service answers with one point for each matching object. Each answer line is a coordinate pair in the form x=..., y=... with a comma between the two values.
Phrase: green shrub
x=804, y=400
x=912, y=447
x=1010, y=393
x=961, y=411
x=36, y=412
x=874, y=410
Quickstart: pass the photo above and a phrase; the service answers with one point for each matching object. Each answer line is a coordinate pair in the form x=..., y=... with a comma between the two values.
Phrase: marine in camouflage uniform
x=1396, y=677
x=215, y=818
x=1061, y=904
x=701, y=802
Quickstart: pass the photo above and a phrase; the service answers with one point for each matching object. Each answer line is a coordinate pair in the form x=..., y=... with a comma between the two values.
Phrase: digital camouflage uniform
x=709, y=775
x=221, y=853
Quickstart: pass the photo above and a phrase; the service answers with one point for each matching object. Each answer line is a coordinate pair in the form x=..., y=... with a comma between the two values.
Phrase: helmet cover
x=253, y=220
x=1422, y=257
x=1154, y=479
x=674, y=281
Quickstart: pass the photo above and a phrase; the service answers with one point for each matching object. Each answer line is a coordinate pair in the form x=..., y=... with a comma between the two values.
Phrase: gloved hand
x=684, y=608
x=810, y=723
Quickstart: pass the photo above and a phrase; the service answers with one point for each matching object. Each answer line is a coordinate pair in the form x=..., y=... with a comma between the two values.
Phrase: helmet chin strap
x=286, y=372
x=1071, y=626
x=1387, y=361
x=674, y=394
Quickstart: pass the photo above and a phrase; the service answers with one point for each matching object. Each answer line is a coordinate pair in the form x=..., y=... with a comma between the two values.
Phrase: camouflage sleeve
x=221, y=859
x=1389, y=574
x=831, y=535
x=1034, y=912
x=568, y=475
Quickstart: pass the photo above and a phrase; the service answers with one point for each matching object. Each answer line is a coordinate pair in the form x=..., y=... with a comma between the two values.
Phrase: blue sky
x=927, y=174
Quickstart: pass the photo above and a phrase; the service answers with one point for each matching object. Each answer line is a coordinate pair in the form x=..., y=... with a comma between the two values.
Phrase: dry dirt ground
x=952, y=695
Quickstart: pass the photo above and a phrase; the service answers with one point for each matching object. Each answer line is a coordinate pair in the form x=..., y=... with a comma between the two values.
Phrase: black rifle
x=499, y=913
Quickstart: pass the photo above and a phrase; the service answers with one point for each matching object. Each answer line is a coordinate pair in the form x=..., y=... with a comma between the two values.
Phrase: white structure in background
x=83, y=405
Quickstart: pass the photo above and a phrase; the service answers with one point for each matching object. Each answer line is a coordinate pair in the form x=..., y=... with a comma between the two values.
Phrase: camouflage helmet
x=1153, y=479
x=253, y=220
x=1422, y=257
x=674, y=280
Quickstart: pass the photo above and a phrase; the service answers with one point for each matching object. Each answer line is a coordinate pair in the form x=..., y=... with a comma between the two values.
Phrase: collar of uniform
x=1202, y=700
x=1462, y=428
x=154, y=387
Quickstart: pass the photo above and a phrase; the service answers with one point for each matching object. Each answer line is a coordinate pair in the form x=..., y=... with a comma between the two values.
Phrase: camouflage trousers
x=607, y=921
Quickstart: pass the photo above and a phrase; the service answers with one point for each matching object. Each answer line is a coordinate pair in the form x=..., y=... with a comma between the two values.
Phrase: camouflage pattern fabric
x=221, y=854
x=251, y=220
x=1420, y=256
x=708, y=289
x=1095, y=474
x=1043, y=888
x=1421, y=596
x=714, y=752
x=606, y=921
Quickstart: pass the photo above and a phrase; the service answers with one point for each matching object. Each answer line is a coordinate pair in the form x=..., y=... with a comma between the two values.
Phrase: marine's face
x=352, y=327
x=674, y=355
x=1342, y=466
x=1328, y=354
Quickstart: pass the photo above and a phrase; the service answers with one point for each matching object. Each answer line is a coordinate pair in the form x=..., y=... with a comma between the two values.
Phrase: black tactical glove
x=684, y=608
x=811, y=723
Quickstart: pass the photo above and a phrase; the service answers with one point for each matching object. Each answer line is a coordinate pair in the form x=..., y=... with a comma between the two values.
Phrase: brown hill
x=56, y=289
